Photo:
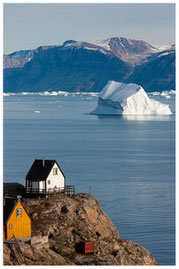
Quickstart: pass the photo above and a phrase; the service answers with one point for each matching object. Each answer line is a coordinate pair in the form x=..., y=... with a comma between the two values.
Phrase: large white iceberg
x=128, y=99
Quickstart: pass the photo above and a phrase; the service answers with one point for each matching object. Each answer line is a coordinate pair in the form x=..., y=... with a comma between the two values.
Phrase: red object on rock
x=86, y=247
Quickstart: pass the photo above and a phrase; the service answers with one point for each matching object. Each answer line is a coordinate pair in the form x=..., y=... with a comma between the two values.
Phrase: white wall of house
x=55, y=180
x=42, y=185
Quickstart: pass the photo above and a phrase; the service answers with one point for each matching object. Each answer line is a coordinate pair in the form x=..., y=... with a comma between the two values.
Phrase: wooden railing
x=67, y=190
x=39, y=190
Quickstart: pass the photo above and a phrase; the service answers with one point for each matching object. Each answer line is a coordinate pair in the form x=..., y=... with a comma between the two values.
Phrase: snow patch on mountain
x=103, y=43
x=72, y=43
x=165, y=47
x=128, y=99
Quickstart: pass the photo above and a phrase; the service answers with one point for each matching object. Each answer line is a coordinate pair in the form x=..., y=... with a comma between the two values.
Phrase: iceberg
x=128, y=99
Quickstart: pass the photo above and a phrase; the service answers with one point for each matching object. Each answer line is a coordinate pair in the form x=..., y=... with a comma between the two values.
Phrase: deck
x=68, y=189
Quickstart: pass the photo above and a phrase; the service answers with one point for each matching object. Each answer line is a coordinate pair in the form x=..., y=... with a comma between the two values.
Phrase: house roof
x=38, y=172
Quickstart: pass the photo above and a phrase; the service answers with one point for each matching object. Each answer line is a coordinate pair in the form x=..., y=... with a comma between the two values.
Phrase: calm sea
x=129, y=162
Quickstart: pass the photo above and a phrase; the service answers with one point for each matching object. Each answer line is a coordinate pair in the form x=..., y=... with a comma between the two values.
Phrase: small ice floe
x=64, y=93
x=53, y=93
x=5, y=94
x=27, y=93
x=8, y=93
x=36, y=111
x=164, y=93
x=167, y=96
x=44, y=93
x=48, y=93
x=94, y=94
x=154, y=93
x=172, y=92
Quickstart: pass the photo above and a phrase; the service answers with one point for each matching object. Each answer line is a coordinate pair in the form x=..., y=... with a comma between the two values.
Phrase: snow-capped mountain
x=129, y=50
x=125, y=48
x=122, y=45
x=117, y=45
x=87, y=66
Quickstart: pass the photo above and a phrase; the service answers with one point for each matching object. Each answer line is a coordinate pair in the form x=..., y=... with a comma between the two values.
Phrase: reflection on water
x=136, y=117
x=147, y=117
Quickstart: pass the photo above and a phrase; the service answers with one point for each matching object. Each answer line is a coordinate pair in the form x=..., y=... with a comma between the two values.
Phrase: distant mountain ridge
x=119, y=46
x=88, y=66
x=21, y=57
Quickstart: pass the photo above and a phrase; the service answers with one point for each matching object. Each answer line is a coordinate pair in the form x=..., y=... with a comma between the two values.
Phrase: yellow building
x=16, y=219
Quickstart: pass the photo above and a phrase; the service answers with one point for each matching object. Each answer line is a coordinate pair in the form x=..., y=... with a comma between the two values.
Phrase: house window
x=48, y=182
x=10, y=226
x=55, y=171
x=19, y=212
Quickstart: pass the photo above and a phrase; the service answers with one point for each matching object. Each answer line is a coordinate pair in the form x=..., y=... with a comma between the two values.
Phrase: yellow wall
x=21, y=226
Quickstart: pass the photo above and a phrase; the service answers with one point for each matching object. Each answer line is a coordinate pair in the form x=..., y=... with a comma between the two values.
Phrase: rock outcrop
x=13, y=189
x=70, y=220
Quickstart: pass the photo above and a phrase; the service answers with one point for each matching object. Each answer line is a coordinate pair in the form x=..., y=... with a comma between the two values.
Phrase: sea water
x=128, y=163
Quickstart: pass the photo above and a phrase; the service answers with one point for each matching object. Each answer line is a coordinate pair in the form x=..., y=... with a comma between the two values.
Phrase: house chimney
x=43, y=162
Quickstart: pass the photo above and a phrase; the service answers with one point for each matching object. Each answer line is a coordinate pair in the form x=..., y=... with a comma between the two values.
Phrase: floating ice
x=154, y=93
x=164, y=93
x=172, y=92
x=8, y=93
x=128, y=99
x=47, y=93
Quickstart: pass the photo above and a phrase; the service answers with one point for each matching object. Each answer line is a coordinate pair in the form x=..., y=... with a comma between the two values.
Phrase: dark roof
x=38, y=172
x=8, y=207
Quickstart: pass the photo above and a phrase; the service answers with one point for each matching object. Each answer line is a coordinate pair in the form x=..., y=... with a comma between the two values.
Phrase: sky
x=28, y=26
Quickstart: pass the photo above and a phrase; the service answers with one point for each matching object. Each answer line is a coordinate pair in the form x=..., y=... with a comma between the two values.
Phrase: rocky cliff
x=70, y=220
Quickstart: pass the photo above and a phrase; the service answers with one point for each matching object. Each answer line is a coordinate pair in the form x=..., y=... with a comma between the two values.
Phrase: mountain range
x=88, y=66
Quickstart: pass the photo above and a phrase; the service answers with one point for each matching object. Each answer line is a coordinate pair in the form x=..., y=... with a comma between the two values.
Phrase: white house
x=45, y=176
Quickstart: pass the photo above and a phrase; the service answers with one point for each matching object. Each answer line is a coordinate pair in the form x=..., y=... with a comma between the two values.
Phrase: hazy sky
x=27, y=26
